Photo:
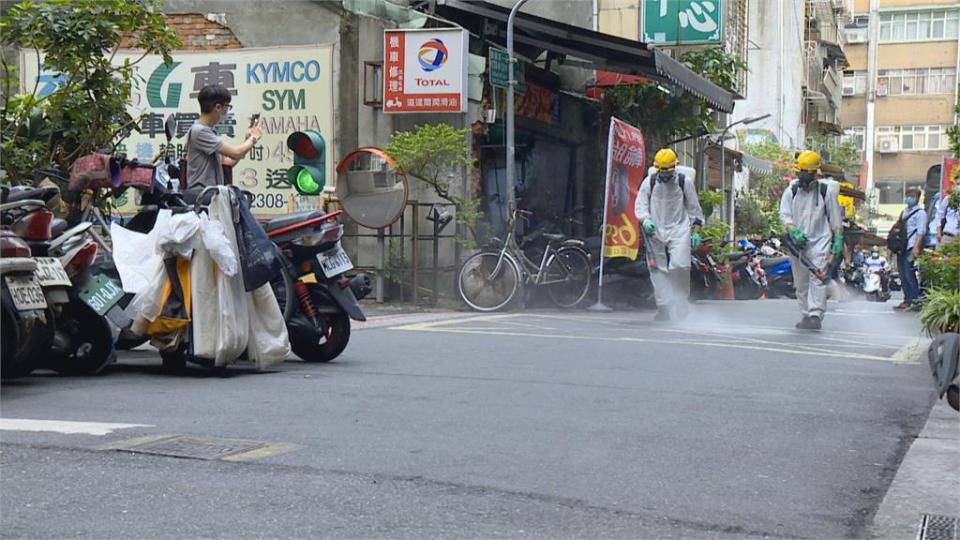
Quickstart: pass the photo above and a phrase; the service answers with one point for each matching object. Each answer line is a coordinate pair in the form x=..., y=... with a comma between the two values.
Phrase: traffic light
x=309, y=172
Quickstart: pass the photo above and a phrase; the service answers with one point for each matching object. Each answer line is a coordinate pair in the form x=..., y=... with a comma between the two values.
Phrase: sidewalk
x=928, y=481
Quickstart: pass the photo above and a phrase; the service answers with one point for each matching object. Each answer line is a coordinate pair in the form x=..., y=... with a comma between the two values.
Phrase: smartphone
x=253, y=119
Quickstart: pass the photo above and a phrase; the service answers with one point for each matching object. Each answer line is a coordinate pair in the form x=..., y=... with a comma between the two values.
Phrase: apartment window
x=919, y=25
x=921, y=81
x=855, y=134
x=854, y=83
x=913, y=138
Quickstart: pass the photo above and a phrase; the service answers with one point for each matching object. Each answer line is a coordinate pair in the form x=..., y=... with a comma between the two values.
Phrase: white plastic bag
x=180, y=236
x=268, y=342
x=218, y=247
x=232, y=300
x=148, y=302
x=135, y=254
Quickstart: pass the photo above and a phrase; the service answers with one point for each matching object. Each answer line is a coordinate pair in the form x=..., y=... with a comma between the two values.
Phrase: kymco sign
x=424, y=71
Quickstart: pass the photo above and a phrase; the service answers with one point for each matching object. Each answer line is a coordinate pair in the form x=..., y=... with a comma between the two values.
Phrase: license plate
x=50, y=272
x=26, y=292
x=101, y=293
x=334, y=262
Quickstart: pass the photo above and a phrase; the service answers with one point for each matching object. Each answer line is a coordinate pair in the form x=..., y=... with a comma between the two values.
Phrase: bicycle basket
x=94, y=171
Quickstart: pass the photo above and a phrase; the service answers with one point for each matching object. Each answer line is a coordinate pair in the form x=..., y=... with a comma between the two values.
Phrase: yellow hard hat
x=808, y=160
x=665, y=159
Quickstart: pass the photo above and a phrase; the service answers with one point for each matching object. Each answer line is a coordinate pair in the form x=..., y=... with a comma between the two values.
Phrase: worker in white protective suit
x=813, y=219
x=669, y=213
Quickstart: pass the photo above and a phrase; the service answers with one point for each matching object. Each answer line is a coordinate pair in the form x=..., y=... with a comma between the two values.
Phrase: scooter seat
x=22, y=193
x=291, y=219
x=58, y=226
x=772, y=261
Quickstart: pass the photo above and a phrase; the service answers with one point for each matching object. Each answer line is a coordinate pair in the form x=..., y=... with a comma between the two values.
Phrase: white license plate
x=50, y=272
x=26, y=292
x=334, y=262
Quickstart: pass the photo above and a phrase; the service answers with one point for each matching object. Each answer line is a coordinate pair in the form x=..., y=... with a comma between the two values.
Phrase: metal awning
x=581, y=47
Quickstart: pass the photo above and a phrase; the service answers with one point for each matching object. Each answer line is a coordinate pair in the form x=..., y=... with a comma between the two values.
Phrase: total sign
x=425, y=71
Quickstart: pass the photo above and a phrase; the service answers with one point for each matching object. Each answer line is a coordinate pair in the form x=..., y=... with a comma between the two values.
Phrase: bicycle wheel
x=488, y=283
x=568, y=277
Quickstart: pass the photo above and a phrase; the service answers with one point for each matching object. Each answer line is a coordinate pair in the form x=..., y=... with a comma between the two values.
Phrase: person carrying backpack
x=906, y=241
x=812, y=216
x=669, y=212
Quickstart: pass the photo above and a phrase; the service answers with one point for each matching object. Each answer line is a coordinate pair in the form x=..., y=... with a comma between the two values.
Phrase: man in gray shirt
x=207, y=152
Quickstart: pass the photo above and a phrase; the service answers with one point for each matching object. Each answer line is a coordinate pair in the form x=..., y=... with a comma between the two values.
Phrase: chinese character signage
x=425, y=71
x=682, y=22
x=291, y=87
x=500, y=71
x=537, y=103
x=626, y=169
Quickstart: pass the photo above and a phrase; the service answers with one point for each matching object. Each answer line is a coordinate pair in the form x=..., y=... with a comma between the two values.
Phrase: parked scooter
x=317, y=306
x=26, y=323
x=83, y=339
x=747, y=272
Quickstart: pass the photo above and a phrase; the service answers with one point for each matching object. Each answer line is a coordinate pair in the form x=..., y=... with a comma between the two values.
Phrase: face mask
x=910, y=201
x=665, y=176
x=806, y=178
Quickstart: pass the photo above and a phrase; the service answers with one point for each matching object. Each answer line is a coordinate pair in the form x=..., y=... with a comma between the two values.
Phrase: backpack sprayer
x=796, y=251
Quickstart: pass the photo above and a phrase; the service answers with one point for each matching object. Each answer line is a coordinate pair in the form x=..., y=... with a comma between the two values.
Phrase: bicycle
x=490, y=280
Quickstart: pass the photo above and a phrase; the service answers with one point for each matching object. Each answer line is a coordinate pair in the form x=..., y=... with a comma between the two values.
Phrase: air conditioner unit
x=848, y=91
x=881, y=90
x=888, y=144
x=856, y=35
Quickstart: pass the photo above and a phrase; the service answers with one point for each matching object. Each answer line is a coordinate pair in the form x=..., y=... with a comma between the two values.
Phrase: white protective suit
x=673, y=212
x=817, y=217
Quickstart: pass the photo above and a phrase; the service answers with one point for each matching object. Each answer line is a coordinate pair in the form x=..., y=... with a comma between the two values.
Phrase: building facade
x=899, y=92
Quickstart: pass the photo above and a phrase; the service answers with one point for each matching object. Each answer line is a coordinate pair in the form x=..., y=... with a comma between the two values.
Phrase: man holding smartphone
x=207, y=152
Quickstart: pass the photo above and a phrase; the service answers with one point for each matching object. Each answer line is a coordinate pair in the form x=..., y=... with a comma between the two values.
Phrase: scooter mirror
x=170, y=127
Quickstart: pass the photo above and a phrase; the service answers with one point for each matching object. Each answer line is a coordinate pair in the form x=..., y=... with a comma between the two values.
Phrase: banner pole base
x=600, y=307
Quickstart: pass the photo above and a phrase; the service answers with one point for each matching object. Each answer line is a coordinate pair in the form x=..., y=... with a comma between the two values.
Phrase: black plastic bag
x=259, y=260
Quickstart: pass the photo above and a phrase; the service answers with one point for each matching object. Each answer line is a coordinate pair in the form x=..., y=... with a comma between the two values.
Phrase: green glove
x=837, y=245
x=798, y=237
x=695, y=240
x=648, y=226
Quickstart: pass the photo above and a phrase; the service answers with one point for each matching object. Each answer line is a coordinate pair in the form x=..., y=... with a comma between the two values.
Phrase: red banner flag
x=948, y=177
x=626, y=169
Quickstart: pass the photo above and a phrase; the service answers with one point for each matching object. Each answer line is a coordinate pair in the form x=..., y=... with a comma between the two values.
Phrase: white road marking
x=65, y=427
x=430, y=327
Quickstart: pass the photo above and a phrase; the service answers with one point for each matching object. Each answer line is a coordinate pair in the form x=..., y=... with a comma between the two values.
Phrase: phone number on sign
x=269, y=200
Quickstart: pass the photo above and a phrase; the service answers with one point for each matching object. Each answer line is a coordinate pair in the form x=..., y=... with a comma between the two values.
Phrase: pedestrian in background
x=915, y=223
x=948, y=217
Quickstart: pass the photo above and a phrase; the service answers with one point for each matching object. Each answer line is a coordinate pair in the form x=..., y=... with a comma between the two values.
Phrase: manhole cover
x=196, y=447
x=934, y=527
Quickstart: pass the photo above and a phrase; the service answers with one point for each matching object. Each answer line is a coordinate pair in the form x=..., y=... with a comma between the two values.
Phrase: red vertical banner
x=948, y=177
x=626, y=169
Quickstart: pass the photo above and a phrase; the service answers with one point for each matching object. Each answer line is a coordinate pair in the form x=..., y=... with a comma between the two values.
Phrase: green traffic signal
x=306, y=184
x=309, y=172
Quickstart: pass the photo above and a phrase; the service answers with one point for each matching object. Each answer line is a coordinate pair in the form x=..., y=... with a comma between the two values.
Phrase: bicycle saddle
x=552, y=237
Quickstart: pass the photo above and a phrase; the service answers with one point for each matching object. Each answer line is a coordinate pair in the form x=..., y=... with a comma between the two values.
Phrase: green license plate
x=102, y=293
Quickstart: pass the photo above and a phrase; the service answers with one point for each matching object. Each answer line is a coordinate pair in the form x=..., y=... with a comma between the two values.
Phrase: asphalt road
x=541, y=424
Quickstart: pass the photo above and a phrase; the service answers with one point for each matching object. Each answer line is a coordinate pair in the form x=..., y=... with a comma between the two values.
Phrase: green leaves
x=437, y=154
x=666, y=115
x=434, y=153
x=941, y=312
x=78, y=38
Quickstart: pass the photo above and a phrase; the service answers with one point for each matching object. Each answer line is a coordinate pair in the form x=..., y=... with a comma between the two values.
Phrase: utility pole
x=511, y=85
x=873, y=46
